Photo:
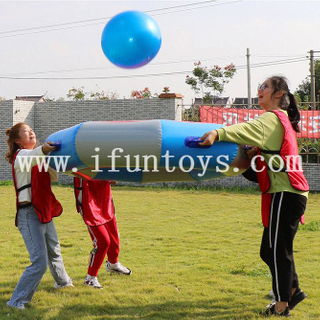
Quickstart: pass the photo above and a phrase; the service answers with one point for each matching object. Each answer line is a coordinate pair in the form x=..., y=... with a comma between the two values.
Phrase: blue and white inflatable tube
x=145, y=151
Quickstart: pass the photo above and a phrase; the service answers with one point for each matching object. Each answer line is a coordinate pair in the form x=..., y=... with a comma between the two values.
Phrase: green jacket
x=265, y=132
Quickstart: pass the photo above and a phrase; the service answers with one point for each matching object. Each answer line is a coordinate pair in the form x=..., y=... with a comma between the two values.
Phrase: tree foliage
x=141, y=94
x=146, y=93
x=76, y=94
x=46, y=97
x=79, y=94
x=304, y=89
x=102, y=95
x=210, y=82
x=98, y=94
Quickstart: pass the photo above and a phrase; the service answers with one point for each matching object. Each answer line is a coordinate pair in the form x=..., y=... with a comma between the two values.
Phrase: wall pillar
x=178, y=103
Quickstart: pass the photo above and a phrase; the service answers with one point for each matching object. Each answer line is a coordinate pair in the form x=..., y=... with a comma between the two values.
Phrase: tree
x=103, y=95
x=76, y=94
x=46, y=97
x=145, y=93
x=304, y=89
x=80, y=94
x=210, y=82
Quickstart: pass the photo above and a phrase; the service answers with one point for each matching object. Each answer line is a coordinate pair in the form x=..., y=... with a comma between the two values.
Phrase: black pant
x=277, y=242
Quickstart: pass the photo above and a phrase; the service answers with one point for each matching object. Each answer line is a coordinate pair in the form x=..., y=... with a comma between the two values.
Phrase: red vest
x=297, y=180
x=43, y=200
x=96, y=206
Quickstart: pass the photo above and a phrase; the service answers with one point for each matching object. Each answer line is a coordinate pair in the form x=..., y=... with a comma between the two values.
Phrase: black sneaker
x=296, y=298
x=271, y=310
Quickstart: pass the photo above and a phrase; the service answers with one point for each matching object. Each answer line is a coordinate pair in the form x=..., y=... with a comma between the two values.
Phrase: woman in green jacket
x=286, y=192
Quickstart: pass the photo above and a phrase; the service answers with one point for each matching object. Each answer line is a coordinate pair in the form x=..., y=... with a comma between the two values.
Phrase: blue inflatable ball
x=131, y=39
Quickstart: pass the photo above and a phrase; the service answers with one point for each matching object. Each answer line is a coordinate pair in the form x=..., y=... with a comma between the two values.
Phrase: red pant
x=105, y=240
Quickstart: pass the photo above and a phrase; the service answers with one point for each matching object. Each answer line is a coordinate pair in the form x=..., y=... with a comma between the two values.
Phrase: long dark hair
x=13, y=134
x=288, y=101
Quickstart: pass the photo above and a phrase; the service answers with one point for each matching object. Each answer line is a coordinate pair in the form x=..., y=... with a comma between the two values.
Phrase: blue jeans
x=43, y=246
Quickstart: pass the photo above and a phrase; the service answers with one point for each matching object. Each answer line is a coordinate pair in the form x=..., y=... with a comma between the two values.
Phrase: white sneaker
x=20, y=307
x=118, y=268
x=92, y=282
x=271, y=294
x=59, y=286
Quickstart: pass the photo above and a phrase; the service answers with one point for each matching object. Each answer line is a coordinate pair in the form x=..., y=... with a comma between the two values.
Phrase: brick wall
x=23, y=111
x=6, y=121
x=12, y=112
x=53, y=116
x=311, y=172
x=49, y=117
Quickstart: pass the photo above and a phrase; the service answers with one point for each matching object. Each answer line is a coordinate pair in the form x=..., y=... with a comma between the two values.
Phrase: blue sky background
x=214, y=33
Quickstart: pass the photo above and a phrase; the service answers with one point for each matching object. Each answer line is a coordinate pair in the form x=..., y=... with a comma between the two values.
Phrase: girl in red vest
x=282, y=183
x=36, y=206
x=94, y=203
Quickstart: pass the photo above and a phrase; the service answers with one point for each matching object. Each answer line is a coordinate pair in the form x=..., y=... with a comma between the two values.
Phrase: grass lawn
x=194, y=255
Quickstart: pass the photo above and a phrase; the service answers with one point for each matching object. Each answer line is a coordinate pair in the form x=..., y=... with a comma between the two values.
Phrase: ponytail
x=293, y=112
x=288, y=101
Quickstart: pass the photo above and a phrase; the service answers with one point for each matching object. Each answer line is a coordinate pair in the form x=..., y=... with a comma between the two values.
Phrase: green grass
x=194, y=255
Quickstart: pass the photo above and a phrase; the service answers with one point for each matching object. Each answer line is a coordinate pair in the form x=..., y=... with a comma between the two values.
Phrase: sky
x=43, y=40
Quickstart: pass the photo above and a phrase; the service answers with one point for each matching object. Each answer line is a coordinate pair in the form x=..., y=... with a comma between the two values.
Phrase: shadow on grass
x=205, y=309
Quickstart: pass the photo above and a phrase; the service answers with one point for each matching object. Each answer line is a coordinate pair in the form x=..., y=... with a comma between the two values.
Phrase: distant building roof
x=222, y=102
x=228, y=102
x=198, y=101
x=240, y=102
x=31, y=98
x=217, y=101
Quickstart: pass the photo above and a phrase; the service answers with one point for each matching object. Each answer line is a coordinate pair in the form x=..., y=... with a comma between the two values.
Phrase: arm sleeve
x=256, y=132
x=26, y=156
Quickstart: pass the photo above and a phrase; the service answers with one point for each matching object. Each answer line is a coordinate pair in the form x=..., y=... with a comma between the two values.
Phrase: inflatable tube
x=146, y=151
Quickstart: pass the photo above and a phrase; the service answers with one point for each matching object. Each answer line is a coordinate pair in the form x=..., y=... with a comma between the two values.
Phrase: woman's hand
x=251, y=152
x=209, y=138
x=47, y=148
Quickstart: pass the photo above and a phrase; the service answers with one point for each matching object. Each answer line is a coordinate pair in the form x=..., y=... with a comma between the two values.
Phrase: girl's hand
x=47, y=148
x=113, y=183
x=209, y=138
x=251, y=152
